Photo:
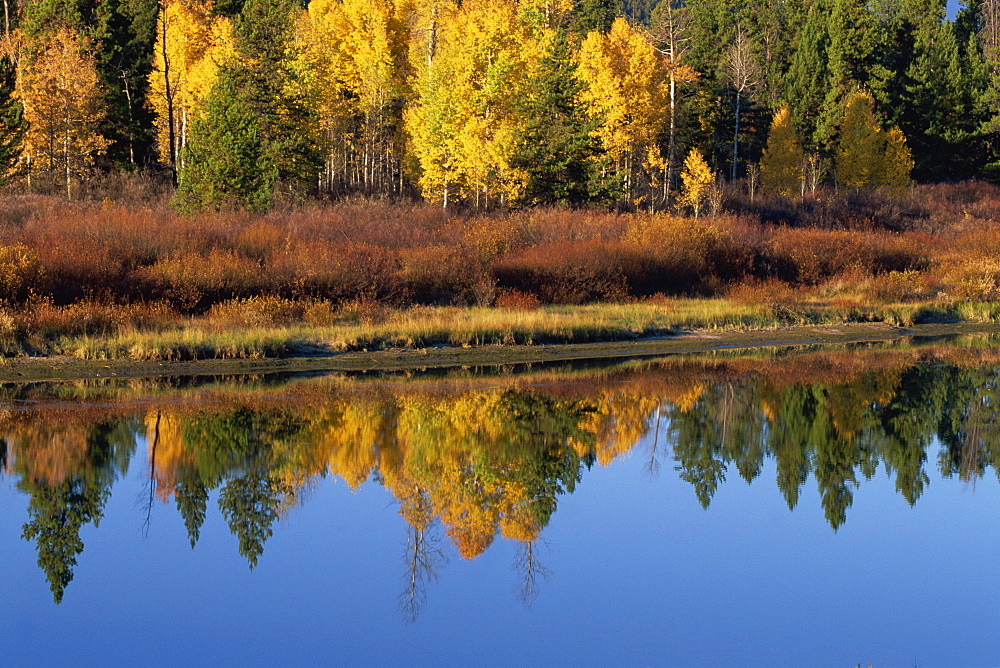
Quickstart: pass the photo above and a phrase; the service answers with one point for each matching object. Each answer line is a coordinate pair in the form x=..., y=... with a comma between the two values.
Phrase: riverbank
x=66, y=367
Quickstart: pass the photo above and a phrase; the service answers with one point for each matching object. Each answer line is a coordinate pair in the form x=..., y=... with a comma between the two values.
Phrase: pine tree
x=594, y=16
x=13, y=125
x=125, y=32
x=897, y=162
x=256, y=139
x=781, y=164
x=226, y=163
x=867, y=156
x=558, y=151
x=807, y=81
x=856, y=42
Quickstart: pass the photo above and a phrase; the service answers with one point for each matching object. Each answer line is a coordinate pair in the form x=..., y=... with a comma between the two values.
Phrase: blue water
x=639, y=574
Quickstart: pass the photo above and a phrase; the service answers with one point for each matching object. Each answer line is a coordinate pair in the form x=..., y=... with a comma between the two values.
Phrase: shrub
x=565, y=273
x=20, y=270
x=515, y=300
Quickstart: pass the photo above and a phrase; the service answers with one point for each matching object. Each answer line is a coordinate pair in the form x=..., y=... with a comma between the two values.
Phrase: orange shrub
x=20, y=272
x=338, y=272
x=439, y=275
x=195, y=281
x=515, y=300
x=565, y=273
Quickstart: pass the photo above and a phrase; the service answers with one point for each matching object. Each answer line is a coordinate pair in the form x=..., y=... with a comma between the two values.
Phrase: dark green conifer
x=255, y=140
x=12, y=123
x=558, y=151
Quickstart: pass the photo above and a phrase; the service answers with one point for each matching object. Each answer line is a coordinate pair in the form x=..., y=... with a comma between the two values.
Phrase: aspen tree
x=191, y=44
x=62, y=104
x=626, y=89
x=781, y=163
x=697, y=181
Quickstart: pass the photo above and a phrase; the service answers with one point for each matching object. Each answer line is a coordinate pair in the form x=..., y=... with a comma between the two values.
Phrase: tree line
x=499, y=102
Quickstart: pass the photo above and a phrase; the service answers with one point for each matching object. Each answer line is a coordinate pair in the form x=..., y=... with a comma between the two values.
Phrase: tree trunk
x=169, y=94
x=736, y=137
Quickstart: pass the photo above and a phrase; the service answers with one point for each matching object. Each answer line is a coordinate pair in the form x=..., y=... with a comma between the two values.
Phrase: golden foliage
x=697, y=180
x=59, y=87
x=626, y=88
x=781, y=163
x=866, y=155
x=192, y=42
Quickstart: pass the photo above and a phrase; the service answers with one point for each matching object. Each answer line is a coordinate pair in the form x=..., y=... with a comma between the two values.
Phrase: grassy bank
x=256, y=336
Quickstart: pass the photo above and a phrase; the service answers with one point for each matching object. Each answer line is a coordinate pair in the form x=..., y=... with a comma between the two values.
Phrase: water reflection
x=472, y=458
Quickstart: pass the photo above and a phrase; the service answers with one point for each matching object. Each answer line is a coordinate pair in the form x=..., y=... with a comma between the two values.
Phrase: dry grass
x=363, y=273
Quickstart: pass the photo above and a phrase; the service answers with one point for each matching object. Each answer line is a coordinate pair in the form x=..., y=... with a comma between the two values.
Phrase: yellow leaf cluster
x=59, y=87
x=697, y=181
x=867, y=156
x=781, y=163
x=191, y=44
x=464, y=122
x=627, y=90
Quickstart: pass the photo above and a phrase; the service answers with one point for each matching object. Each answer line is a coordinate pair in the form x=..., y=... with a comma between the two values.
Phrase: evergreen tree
x=856, y=40
x=13, y=125
x=594, y=15
x=559, y=152
x=226, y=164
x=808, y=76
x=867, y=156
x=250, y=505
x=126, y=30
x=256, y=139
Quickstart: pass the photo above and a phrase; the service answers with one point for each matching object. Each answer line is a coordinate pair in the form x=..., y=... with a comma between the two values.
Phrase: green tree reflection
x=58, y=510
x=473, y=464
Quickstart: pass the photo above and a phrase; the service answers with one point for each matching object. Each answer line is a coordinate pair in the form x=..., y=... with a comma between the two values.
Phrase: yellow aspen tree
x=433, y=122
x=465, y=120
x=697, y=182
x=323, y=71
x=426, y=18
x=867, y=156
x=626, y=88
x=497, y=51
x=782, y=161
x=191, y=44
x=59, y=87
x=897, y=161
x=374, y=68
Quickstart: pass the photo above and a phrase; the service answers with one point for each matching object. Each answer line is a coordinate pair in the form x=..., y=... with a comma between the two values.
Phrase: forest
x=498, y=103
x=354, y=174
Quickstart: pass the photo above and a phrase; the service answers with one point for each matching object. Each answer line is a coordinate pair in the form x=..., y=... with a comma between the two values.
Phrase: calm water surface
x=794, y=507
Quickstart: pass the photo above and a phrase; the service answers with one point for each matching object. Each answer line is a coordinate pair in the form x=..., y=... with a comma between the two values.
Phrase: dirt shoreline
x=36, y=369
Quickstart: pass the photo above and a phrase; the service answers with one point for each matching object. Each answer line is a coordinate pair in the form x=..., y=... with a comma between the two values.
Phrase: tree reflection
x=250, y=505
x=423, y=558
x=63, y=501
x=473, y=464
x=532, y=572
